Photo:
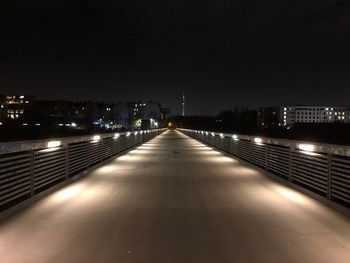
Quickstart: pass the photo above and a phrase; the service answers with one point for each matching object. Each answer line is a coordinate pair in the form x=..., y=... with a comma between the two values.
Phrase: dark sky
x=222, y=53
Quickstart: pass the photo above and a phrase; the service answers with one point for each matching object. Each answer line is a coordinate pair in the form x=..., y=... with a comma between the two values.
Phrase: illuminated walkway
x=175, y=200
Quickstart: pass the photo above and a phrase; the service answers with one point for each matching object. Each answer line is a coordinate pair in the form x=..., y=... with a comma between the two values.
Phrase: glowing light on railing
x=135, y=133
x=73, y=124
x=306, y=147
x=37, y=124
x=212, y=134
x=257, y=140
x=53, y=144
x=221, y=135
x=116, y=136
x=206, y=133
x=96, y=138
x=128, y=134
x=235, y=137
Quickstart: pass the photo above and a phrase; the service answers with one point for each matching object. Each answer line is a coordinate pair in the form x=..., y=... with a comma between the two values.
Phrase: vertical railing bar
x=290, y=165
x=102, y=149
x=67, y=161
x=266, y=155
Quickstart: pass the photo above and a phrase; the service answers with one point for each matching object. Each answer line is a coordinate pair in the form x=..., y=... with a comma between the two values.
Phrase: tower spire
x=183, y=103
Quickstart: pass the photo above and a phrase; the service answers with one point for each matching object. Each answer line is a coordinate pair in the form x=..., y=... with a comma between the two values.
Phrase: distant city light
x=25, y=124
x=306, y=147
x=37, y=124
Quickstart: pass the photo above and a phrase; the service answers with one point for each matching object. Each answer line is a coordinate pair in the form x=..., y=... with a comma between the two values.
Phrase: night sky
x=222, y=53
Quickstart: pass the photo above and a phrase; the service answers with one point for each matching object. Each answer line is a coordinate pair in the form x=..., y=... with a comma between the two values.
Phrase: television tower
x=183, y=103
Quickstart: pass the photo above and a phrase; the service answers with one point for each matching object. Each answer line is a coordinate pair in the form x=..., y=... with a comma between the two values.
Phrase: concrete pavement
x=174, y=199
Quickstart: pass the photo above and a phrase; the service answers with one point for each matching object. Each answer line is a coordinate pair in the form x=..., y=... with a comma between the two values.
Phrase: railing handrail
x=27, y=145
x=343, y=150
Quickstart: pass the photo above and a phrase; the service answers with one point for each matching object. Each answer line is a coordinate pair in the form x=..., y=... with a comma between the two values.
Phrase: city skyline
x=238, y=53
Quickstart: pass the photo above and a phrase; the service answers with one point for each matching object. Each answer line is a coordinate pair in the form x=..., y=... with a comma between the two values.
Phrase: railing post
x=32, y=159
x=329, y=179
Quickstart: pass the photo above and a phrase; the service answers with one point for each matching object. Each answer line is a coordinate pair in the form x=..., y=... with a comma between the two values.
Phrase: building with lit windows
x=268, y=117
x=14, y=107
x=137, y=115
x=287, y=116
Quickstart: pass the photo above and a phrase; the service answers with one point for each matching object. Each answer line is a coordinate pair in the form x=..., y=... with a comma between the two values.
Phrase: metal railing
x=320, y=168
x=30, y=167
